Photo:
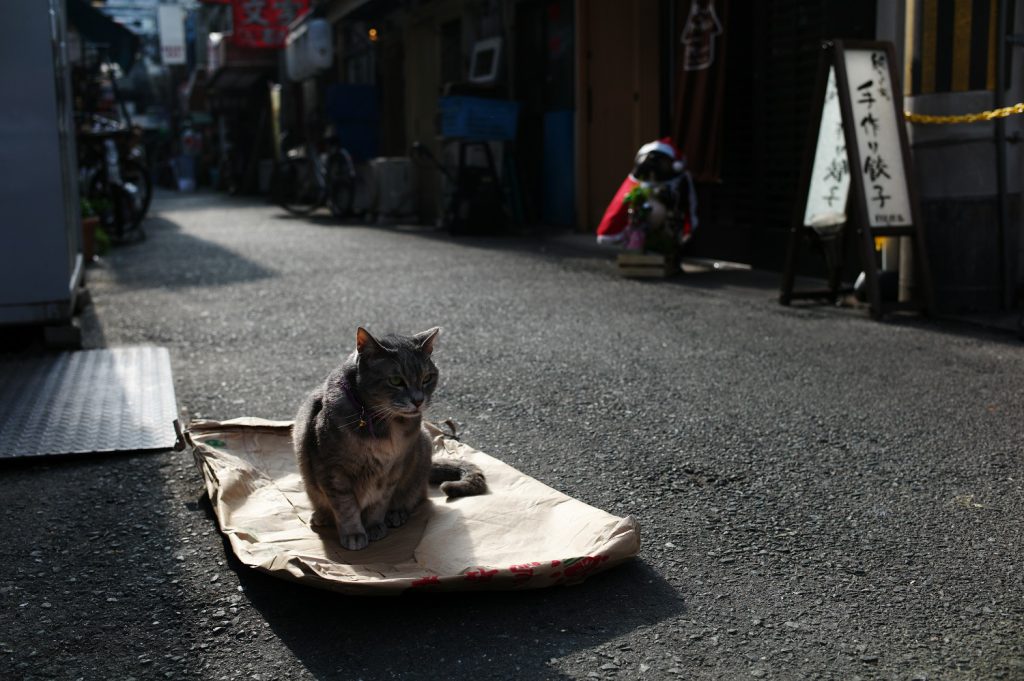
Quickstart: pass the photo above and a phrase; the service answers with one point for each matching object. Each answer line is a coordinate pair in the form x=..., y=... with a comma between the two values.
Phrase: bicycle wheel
x=134, y=172
x=295, y=187
x=131, y=202
x=127, y=218
x=341, y=188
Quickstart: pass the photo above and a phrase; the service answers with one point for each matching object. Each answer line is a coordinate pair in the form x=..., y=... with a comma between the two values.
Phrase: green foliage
x=95, y=207
x=102, y=241
x=637, y=196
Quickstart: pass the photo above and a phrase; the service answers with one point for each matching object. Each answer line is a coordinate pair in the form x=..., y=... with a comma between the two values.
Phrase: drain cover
x=120, y=399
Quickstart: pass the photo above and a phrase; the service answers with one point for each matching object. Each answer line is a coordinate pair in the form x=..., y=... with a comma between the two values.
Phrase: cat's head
x=396, y=375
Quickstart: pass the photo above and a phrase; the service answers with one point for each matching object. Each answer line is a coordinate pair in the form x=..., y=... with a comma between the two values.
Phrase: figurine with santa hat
x=655, y=208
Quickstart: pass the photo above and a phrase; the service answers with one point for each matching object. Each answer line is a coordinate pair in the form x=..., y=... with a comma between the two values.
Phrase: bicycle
x=308, y=178
x=114, y=180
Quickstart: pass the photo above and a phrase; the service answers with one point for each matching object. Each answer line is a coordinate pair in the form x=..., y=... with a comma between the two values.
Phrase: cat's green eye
x=429, y=378
x=396, y=381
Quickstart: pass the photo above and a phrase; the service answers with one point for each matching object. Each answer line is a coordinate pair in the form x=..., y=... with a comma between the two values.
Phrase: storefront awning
x=96, y=27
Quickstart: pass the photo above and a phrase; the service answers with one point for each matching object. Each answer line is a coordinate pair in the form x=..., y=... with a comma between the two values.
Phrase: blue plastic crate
x=477, y=118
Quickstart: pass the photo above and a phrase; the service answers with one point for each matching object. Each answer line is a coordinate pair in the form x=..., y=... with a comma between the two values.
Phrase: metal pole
x=998, y=97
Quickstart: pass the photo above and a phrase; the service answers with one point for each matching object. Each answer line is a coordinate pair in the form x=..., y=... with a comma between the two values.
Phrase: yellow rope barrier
x=965, y=118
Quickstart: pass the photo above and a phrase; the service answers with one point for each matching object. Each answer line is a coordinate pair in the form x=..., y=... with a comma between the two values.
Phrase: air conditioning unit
x=308, y=50
x=394, y=182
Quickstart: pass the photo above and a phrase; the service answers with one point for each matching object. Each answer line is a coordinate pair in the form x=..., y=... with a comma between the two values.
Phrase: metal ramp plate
x=90, y=401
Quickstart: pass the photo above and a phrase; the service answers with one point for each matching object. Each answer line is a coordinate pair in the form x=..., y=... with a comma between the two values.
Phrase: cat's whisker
x=386, y=416
x=381, y=412
x=351, y=422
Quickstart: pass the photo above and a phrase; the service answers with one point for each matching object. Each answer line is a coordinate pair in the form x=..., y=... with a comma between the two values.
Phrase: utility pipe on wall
x=998, y=102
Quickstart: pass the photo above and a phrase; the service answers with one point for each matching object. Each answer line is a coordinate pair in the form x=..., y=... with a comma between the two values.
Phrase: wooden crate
x=643, y=265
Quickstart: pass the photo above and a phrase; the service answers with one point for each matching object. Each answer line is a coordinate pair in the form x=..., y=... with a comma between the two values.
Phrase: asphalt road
x=820, y=495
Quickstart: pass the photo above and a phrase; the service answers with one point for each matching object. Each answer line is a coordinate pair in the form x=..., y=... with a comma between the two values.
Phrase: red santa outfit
x=611, y=229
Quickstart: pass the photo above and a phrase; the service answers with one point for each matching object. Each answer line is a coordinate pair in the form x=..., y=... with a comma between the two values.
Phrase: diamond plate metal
x=120, y=399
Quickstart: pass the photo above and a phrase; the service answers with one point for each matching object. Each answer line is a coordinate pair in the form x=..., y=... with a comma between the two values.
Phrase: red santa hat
x=664, y=146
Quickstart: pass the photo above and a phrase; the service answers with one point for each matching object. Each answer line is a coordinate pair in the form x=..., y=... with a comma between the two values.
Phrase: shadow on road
x=183, y=261
x=86, y=534
x=500, y=634
x=168, y=200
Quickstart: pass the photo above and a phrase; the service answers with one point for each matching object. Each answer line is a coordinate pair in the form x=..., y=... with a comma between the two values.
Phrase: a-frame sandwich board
x=857, y=172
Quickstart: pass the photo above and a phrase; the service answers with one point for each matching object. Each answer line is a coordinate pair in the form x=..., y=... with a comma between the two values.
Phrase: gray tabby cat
x=359, y=439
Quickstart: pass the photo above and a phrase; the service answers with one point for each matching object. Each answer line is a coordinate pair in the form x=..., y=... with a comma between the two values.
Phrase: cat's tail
x=458, y=478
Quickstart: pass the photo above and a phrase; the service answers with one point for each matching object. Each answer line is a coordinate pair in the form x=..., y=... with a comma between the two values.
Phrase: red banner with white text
x=264, y=23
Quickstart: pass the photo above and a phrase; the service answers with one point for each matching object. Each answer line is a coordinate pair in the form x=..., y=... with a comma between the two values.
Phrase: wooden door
x=619, y=96
x=424, y=78
x=423, y=84
x=391, y=81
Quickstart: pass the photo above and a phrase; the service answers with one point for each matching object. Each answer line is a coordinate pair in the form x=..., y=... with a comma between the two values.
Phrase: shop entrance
x=619, y=97
x=772, y=51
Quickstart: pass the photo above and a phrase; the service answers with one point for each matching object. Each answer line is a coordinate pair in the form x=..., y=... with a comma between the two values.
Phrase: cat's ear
x=426, y=339
x=365, y=342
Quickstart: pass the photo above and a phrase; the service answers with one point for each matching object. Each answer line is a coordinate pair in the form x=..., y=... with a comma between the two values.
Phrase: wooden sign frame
x=833, y=57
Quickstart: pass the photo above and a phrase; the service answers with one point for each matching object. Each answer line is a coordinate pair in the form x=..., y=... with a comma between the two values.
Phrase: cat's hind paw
x=354, y=542
x=396, y=517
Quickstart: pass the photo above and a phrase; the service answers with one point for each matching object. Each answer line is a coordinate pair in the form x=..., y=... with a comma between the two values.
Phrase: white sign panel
x=830, y=174
x=172, y=34
x=875, y=125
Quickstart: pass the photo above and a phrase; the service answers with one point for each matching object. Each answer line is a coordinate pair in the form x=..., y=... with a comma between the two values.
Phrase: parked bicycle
x=312, y=176
x=114, y=179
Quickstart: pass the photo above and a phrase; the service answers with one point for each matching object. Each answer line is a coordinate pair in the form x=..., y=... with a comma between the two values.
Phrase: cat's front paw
x=321, y=518
x=396, y=517
x=354, y=542
x=375, y=532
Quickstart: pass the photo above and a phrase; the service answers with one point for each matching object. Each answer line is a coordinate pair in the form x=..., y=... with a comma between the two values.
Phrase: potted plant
x=94, y=239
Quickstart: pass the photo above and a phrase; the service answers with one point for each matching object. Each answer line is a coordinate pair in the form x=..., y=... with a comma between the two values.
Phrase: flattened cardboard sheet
x=522, y=534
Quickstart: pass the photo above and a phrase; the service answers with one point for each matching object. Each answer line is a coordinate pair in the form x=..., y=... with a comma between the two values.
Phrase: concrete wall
x=955, y=169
